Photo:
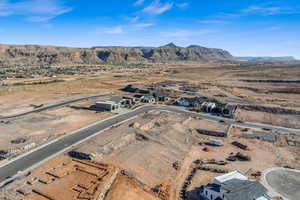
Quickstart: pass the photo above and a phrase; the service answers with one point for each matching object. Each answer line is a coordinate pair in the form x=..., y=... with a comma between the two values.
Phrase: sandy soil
x=125, y=189
x=148, y=149
x=148, y=146
x=290, y=121
x=39, y=128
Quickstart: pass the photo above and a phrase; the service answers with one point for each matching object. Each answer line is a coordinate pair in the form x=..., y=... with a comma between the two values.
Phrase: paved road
x=52, y=106
x=45, y=152
x=285, y=182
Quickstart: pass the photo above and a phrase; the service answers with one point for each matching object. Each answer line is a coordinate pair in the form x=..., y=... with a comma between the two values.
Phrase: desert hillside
x=35, y=55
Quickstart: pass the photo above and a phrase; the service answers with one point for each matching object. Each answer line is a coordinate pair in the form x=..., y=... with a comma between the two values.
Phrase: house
x=148, y=99
x=161, y=96
x=129, y=100
x=229, y=110
x=136, y=88
x=183, y=102
x=208, y=106
x=118, y=100
x=106, y=106
x=138, y=97
x=234, y=186
x=144, y=98
x=130, y=88
x=189, y=102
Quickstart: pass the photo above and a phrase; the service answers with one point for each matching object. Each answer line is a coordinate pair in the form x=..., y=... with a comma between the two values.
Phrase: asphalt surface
x=43, y=108
x=45, y=152
x=285, y=182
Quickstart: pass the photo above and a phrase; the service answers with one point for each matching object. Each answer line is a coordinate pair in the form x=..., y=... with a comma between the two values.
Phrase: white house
x=106, y=105
x=234, y=186
x=148, y=99
x=208, y=106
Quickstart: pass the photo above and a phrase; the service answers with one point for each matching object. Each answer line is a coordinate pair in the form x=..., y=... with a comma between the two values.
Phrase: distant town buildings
x=205, y=105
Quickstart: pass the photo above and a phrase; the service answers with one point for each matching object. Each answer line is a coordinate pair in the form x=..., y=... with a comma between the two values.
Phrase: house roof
x=127, y=97
x=160, y=94
x=148, y=96
x=106, y=102
x=117, y=99
x=139, y=96
x=214, y=187
x=237, y=189
x=231, y=175
x=230, y=107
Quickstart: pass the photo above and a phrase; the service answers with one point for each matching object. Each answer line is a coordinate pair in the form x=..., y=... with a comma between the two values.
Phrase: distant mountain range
x=36, y=55
x=267, y=59
x=24, y=55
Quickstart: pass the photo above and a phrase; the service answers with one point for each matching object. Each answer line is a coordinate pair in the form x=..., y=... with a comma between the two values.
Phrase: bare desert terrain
x=155, y=150
x=151, y=156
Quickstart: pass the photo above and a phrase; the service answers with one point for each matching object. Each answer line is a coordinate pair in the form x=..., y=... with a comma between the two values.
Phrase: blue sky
x=244, y=27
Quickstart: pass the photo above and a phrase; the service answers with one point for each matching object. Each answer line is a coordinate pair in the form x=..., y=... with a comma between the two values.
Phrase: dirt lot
x=291, y=121
x=124, y=188
x=67, y=178
x=148, y=147
x=39, y=128
x=72, y=87
x=226, y=83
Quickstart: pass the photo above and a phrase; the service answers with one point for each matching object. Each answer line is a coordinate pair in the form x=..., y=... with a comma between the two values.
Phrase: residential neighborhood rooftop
x=232, y=175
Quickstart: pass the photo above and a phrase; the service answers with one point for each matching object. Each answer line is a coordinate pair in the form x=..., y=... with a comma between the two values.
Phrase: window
x=206, y=192
x=211, y=197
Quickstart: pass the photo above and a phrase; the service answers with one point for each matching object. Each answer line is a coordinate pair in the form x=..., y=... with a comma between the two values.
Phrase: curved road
x=282, y=182
x=47, y=151
x=52, y=106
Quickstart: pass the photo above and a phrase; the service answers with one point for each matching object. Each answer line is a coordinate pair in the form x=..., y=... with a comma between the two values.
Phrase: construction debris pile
x=238, y=156
x=211, y=133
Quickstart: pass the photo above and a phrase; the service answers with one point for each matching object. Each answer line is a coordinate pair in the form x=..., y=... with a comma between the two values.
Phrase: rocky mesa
x=36, y=55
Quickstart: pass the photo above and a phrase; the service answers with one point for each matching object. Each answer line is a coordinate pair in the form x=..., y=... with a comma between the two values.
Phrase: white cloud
x=5, y=13
x=157, y=8
x=274, y=28
x=183, y=5
x=139, y=3
x=144, y=25
x=113, y=30
x=35, y=10
x=213, y=21
x=133, y=19
x=262, y=11
x=40, y=18
x=185, y=34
